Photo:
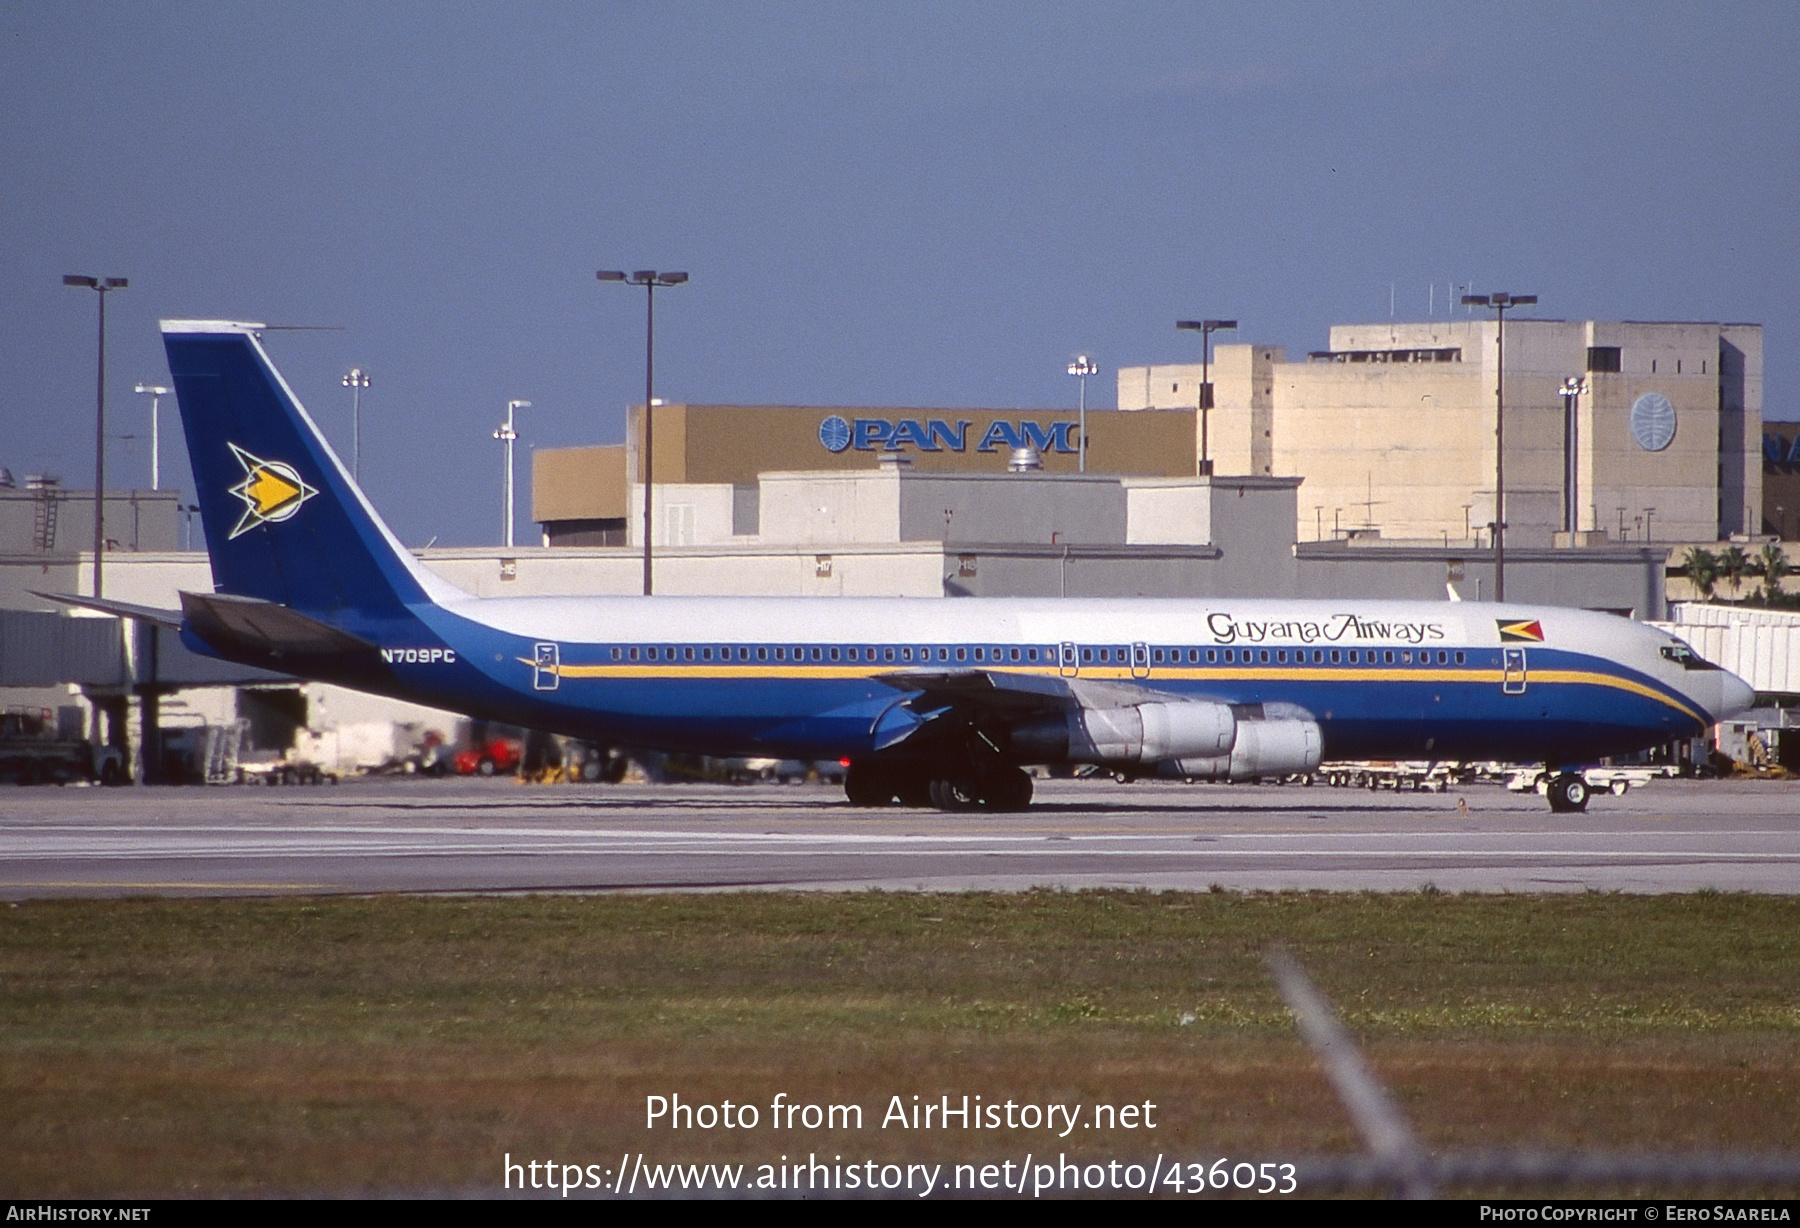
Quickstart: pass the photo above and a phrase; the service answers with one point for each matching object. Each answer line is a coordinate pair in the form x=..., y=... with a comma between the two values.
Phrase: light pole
x=650, y=279
x=1081, y=368
x=1500, y=303
x=101, y=286
x=506, y=435
x=1572, y=388
x=356, y=381
x=1206, y=328
x=157, y=393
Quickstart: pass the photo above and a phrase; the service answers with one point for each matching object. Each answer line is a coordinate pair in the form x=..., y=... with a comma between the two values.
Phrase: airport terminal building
x=1616, y=433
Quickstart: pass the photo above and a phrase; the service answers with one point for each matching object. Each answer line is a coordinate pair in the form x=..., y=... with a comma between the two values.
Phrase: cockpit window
x=1685, y=657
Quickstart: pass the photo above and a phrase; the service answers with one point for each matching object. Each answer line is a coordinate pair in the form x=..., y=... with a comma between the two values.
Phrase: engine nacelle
x=1265, y=747
x=1141, y=733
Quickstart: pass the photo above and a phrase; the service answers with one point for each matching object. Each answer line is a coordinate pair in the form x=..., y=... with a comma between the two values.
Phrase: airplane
x=939, y=703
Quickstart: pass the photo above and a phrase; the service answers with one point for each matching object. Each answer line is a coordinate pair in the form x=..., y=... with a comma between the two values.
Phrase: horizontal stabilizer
x=264, y=627
x=122, y=609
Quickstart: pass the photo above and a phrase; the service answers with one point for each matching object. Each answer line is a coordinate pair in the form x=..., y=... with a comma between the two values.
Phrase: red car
x=499, y=755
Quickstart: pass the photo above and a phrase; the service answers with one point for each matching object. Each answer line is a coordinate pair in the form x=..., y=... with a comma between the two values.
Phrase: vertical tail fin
x=283, y=520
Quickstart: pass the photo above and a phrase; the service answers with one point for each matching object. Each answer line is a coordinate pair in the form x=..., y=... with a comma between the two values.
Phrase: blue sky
x=879, y=204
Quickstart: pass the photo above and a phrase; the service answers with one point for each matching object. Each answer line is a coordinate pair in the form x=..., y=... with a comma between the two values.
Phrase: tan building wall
x=1393, y=428
x=1240, y=426
x=732, y=445
x=735, y=443
x=578, y=483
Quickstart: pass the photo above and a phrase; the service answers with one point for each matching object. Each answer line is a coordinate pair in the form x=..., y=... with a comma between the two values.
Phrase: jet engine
x=1272, y=740
x=1138, y=734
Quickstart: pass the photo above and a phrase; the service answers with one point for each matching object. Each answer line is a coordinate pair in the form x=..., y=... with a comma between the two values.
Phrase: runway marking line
x=186, y=886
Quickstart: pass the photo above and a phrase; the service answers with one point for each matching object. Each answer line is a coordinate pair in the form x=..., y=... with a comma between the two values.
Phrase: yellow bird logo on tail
x=271, y=491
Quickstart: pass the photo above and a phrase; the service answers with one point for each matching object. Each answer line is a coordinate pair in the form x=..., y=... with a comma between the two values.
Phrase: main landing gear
x=999, y=788
x=1567, y=791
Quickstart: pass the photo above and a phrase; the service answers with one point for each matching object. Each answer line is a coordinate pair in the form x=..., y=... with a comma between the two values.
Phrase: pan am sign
x=936, y=435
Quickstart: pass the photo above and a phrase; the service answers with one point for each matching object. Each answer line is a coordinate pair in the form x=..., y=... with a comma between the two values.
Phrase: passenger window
x=616, y=654
x=852, y=653
x=1087, y=656
x=1013, y=654
x=1406, y=658
x=687, y=654
x=1336, y=656
x=1212, y=655
x=943, y=654
x=906, y=654
x=834, y=654
x=1031, y=654
x=887, y=654
x=962, y=654
x=1264, y=655
x=762, y=654
x=1318, y=656
x=1388, y=657
x=980, y=654
x=1354, y=657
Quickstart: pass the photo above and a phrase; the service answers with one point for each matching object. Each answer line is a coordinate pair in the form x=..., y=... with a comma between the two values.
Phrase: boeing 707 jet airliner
x=932, y=702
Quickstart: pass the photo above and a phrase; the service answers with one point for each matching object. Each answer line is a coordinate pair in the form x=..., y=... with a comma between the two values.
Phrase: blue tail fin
x=283, y=520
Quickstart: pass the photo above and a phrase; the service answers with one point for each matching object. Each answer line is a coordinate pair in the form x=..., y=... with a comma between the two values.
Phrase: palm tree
x=1702, y=570
x=1773, y=561
x=1734, y=564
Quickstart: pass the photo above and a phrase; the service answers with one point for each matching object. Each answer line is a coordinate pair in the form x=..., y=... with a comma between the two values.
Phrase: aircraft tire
x=1568, y=792
x=1008, y=791
x=954, y=795
x=868, y=786
x=915, y=790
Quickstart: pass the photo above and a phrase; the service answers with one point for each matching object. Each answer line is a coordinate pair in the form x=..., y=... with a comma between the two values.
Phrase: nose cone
x=1735, y=695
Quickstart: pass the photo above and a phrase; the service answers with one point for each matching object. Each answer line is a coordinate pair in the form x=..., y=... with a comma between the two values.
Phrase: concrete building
x=1781, y=480
x=581, y=496
x=1393, y=428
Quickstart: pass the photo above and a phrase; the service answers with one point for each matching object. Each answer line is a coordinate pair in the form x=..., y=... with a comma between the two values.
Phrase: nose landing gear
x=1568, y=791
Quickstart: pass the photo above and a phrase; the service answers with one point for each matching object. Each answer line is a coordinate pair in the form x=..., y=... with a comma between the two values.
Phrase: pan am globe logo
x=834, y=433
x=271, y=490
x=1653, y=422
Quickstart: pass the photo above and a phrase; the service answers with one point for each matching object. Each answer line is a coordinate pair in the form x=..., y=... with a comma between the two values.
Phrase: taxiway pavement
x=483, y=836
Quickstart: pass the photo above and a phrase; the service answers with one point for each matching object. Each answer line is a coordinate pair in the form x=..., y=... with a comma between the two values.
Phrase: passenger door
x=1512, y=671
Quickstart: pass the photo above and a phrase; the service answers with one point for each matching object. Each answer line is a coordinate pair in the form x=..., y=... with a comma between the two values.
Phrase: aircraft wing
x=950, y=700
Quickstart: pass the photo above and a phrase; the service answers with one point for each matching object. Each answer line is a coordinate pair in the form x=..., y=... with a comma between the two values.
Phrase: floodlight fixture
x=101, y=286
x=650, y=279
x=1501, y=303
x=1204, y=400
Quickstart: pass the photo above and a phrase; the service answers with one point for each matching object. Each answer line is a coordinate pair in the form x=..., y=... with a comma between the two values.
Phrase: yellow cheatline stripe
x=1579, y=676
x=1348, y=673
